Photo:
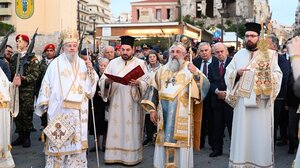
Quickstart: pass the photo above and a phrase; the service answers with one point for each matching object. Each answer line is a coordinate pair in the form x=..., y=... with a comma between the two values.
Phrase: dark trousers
x=150, y=127
x=278, y=109
x=206, y=126
x=284, y=123
x=293, y=127
x=222, y=117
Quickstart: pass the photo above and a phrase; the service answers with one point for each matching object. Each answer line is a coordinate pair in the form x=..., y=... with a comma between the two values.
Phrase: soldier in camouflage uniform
x=49, y=52
x=29, y=72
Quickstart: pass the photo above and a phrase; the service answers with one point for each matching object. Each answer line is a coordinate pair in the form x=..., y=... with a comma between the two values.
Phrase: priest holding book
x=124, y=134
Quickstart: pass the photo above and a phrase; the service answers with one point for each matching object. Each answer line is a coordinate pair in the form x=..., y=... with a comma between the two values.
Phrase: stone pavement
x=33, y=157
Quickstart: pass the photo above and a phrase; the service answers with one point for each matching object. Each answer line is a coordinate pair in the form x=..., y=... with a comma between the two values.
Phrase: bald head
x=220, y=51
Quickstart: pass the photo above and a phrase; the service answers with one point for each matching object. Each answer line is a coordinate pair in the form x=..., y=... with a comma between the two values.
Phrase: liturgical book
x=135, y=73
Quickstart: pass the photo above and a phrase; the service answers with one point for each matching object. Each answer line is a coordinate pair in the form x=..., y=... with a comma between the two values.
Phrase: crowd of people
x=179, y=100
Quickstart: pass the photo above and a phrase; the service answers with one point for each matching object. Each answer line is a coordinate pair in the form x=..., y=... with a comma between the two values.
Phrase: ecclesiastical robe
x=252, y=143
x=6, y=111
x=125, y=123
x=169, y=96
x=64, y=95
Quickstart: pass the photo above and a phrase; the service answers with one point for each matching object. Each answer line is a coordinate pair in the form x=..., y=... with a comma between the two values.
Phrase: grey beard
x=71, y=57
x=174, y=64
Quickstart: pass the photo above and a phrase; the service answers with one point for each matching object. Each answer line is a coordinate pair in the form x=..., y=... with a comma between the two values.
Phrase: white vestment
x=124, y=134
x=6, y=159
x=65, y=90
x=252, y=127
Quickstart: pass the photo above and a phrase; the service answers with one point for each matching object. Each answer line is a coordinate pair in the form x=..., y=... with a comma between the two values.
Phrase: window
x=168, y=13
x=138, y=14
x=158, y=14
x=3, y=5
x=198, y=9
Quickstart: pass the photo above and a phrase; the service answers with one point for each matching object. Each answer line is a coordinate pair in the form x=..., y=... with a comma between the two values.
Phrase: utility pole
x=94, y=35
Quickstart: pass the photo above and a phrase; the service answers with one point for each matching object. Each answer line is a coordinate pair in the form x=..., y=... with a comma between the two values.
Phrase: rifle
x=28, y=53
x=80, y=42
x=57, y=52
x=4, y=42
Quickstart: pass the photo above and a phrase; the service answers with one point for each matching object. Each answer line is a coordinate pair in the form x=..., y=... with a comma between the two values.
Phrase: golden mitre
x=69, y=35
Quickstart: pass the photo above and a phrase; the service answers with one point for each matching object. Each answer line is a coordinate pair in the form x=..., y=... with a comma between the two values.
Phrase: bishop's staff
x=91, y=75
x=189, y=112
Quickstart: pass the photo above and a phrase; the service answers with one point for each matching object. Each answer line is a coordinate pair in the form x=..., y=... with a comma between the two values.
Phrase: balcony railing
x=5, y=11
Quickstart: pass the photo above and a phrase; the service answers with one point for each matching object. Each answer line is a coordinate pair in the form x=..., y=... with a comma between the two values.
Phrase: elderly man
x=253, y=80
x=173, y=92
x=125, y=114
x=222, y=112
x=67, y=85
x=109, y=52
x=202, y=61
x=6, y=110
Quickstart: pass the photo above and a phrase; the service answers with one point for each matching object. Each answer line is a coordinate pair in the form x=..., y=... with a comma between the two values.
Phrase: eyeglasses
x=251, y=35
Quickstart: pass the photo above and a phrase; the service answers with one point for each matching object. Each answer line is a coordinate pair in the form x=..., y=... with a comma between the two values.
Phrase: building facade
x=55, y=15
x=154, y=11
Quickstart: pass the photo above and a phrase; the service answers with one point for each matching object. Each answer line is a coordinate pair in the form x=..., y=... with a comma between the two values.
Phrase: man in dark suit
x=222, y=112
x=280, y=114
x=202, y=61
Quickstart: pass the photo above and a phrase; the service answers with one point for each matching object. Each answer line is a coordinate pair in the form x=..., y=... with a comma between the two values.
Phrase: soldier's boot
x=19, y=140
x=27, y=142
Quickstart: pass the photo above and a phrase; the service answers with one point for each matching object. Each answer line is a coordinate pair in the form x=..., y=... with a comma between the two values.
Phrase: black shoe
x=27, y=142
x=19, y=140
x=93, y=149
x=147, y=142
x=216, y=153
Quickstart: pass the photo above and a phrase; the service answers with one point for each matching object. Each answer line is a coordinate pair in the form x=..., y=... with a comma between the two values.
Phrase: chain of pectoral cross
x=171, y=80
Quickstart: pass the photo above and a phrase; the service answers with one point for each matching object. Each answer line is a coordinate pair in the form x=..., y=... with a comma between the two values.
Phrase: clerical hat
x=252, y=26
x=127, y=40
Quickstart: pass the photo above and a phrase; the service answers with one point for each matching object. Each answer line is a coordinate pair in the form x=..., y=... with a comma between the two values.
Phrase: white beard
x=71, y=57
x=174, y=64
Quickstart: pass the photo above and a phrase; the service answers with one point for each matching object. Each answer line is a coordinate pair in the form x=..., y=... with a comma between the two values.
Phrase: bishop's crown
x=69, y=35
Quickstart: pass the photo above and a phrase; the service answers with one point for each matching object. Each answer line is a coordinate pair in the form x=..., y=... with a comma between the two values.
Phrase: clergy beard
x=71, y=56
x=251, y=46
x=174, y=64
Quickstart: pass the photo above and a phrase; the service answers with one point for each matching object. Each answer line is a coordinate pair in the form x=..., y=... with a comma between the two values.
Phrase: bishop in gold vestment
x=175, y=87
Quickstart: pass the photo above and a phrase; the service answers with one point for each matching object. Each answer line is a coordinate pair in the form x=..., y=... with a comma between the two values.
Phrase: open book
x=135, y=73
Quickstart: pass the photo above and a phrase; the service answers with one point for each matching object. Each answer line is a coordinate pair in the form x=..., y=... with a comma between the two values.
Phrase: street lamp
x=94, y=34
x=237, y=18
x=222, y=12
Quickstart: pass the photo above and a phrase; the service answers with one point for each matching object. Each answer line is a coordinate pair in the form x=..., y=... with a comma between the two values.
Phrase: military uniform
x=30, y=73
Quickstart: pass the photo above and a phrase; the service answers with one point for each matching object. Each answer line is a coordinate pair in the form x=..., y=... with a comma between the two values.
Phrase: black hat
x=128, y=40
x=144, y=46
x=83, y=52
x=251, y=26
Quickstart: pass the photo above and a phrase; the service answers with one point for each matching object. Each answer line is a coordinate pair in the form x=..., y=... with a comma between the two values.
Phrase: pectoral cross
x=173, y=81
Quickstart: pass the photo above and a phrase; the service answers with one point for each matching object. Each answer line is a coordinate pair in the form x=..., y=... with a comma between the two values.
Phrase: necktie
x=205, y=68
x=221, y=69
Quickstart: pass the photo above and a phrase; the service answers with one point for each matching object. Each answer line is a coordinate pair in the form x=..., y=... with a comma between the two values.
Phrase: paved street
x=34, y=158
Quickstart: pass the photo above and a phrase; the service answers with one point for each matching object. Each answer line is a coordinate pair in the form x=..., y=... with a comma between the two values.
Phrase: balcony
x=5, y=11
x=5, y=1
